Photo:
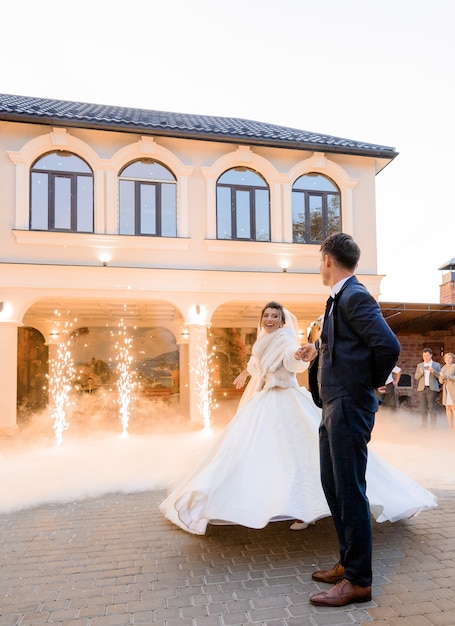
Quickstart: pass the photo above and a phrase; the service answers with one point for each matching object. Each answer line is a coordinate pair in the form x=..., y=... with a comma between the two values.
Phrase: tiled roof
x=191, y=126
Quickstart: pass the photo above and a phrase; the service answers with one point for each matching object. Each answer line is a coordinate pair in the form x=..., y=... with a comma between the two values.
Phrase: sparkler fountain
x=125, y=381
x=60, y=379
x=203, y=378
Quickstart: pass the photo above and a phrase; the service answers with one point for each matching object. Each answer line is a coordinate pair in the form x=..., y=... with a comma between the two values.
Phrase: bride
x=264, y=466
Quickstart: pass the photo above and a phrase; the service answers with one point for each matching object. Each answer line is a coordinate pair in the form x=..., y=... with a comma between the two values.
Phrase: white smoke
x=162, y=444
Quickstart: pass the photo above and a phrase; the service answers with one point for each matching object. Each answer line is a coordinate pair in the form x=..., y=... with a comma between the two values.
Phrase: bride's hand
x=240, y=380
x=307, y=352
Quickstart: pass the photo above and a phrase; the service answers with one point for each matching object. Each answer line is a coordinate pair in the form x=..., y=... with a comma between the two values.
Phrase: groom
x=357, y=351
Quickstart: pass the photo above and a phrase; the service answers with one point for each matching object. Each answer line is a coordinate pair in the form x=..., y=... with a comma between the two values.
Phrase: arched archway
x=94, y=331
x=32, y=371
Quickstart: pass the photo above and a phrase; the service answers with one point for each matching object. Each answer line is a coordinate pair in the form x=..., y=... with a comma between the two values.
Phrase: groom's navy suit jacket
x=358, y=350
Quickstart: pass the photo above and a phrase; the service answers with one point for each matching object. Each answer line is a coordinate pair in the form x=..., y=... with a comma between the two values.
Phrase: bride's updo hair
x=278, y=307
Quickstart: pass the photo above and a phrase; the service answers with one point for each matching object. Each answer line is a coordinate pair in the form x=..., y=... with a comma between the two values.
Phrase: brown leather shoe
x=344, y=592
x=331, y=576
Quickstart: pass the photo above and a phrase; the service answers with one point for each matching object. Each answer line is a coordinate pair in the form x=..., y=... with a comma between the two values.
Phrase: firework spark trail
x=203, y=371
x=60, y=385
x=125, y=381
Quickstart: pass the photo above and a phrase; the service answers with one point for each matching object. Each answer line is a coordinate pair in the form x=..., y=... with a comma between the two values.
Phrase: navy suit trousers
x=345, y=431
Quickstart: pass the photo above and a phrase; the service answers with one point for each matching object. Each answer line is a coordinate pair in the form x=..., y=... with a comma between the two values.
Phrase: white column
x=276, y=214
x=99, y=206
x=110, y=210
x=211, y=208
x=8, y=377
x=287, y=213
x=348, y=213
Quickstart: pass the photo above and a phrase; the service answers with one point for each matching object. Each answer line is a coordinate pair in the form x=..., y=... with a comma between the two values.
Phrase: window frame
x=251, y=190
x=52, y=176
x=324, y=196
x=157, y=184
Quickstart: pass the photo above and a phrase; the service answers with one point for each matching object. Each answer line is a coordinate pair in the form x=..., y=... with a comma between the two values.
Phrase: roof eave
x=200, y=135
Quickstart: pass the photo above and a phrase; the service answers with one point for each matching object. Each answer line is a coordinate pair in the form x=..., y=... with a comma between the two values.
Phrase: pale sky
x=376, y=71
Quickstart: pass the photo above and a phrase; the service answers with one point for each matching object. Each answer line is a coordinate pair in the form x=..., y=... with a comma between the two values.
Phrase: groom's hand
x=306, y=353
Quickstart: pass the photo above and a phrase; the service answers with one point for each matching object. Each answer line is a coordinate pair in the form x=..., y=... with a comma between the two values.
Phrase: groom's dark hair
x=343, y=249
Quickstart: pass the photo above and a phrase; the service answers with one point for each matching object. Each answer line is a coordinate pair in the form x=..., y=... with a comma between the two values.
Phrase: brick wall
x=447, y=293
x=411, y=354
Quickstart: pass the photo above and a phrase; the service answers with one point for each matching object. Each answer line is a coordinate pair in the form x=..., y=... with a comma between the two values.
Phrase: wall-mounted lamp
x=196, y=314
x=284, y=265
x=104, y=257
x=185, y=333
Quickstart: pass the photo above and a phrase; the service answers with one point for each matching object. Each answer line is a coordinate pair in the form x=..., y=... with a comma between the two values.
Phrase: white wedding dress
x=265, y=465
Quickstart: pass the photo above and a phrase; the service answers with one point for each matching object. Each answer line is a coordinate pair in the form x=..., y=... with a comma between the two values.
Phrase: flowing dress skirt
x=265, y=467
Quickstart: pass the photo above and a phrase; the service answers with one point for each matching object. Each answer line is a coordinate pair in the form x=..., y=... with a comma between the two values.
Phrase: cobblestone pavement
x=114, y=561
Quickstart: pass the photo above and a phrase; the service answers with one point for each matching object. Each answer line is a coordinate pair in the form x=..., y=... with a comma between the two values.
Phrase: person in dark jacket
x=356, y=352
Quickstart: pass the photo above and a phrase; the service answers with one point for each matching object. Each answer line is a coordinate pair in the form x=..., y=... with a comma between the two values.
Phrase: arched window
x=147, y=200
x=242, y=206
x=316, y=209
x=61, y=189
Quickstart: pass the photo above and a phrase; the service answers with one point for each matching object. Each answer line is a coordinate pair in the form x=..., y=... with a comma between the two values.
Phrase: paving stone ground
x=115, y=561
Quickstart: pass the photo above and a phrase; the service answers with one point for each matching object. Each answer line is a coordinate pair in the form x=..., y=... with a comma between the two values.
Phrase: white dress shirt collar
x=338, y=286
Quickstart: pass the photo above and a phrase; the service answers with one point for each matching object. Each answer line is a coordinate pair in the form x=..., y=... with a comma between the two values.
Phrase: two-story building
x=172, y=224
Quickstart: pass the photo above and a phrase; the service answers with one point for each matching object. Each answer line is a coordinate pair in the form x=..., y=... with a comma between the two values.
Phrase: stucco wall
x=197, y=165
x=162, y=280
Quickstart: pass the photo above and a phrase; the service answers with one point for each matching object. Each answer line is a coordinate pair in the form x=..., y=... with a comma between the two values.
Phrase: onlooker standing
x=389, y=399
x=427, y=375
x=447, y=380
